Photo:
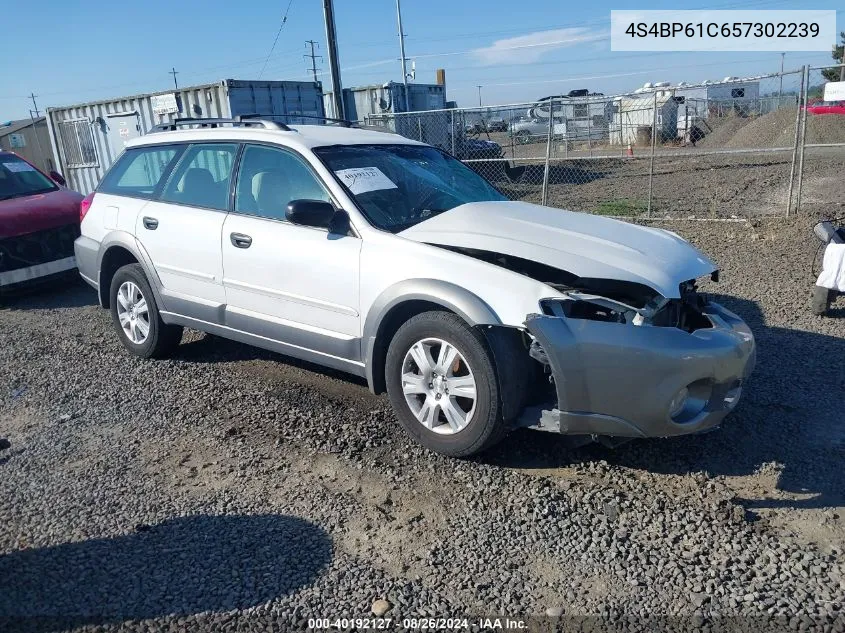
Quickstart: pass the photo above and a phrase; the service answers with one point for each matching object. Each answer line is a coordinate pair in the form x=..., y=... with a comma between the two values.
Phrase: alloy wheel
x=439, y=386
x=133, y=312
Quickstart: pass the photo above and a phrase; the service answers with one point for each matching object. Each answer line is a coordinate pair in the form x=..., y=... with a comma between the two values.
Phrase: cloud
x=525, y=49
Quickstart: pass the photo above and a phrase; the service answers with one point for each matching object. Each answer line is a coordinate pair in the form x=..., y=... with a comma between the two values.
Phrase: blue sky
x=516, y=51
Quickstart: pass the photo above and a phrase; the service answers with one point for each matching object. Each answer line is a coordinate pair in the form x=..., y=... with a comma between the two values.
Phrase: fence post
x=452, y=112
x=565, y=133
x=803, y=139
x=545, y=197
x=795, y=143
x=651, y=167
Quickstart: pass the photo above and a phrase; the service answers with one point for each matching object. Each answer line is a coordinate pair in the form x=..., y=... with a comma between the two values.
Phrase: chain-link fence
x=736, y=147
x=821, y=157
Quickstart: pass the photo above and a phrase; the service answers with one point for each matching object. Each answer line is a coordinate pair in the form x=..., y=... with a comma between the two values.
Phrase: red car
x=39, y=220
x=826, y=107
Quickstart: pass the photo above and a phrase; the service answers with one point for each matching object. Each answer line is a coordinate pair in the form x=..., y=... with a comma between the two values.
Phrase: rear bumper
x=87, y=252
x=620, y=380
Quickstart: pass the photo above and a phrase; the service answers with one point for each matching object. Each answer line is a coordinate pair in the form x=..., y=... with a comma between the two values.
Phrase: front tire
x=136, y=317
x=821, y=300
x=442, y=383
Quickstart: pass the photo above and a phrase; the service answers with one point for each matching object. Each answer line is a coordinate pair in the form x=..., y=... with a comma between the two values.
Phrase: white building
x=634, y=118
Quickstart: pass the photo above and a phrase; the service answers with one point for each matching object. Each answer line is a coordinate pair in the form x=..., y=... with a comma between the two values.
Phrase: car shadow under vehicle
x=214, y=349
x=65, y=290
x=181, y=566
x=790, y=419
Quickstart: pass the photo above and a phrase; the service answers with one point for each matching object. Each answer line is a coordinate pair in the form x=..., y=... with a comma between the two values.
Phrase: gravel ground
x=232, y=489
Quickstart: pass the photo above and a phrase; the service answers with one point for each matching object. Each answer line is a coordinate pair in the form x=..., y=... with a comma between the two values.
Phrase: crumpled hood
x=583, y=244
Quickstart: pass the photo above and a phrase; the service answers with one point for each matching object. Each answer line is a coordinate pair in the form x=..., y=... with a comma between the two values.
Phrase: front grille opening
x=40, y=247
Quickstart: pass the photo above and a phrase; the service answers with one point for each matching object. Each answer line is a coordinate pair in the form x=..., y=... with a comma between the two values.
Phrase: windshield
x=19, y=178
x=398, y=186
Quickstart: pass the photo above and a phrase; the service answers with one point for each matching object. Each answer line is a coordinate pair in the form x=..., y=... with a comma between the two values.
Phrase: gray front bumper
x=619, y=380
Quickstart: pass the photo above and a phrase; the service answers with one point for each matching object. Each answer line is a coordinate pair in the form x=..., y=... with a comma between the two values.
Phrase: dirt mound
x=719, y=130
x=776, y=129
x=825, y=128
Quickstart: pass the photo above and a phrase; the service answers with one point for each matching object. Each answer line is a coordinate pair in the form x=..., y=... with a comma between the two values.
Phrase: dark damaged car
x=39, y=221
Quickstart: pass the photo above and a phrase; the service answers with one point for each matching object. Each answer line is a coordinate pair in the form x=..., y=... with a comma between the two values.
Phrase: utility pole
x=34, y=105
x=35, y=115
x=174, y=72
x=334, y=63
x=313, y=58
x=479, y=96
x=402, y=53
x=780, y=90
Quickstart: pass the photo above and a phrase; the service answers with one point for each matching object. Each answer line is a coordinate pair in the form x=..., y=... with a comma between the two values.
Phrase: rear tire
x=460, y=426
x=136, y=317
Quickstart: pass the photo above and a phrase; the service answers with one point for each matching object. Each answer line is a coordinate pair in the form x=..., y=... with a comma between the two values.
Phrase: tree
x=836, y=74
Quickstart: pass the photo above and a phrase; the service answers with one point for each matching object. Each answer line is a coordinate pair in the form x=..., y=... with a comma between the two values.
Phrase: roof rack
x=245, y=121
x=326, y=119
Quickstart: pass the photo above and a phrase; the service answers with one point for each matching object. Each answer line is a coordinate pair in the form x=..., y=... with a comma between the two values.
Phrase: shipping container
x=28, y=138
x=87, y=138
x=363, y=101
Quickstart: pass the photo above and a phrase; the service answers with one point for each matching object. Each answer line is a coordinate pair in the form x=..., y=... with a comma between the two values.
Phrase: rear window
x=138, y=172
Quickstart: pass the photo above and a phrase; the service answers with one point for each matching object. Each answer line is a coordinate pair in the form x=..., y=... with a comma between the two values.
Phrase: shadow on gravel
x=790, y=422
x=63, y=291
x=214, y=349
x=182, y=566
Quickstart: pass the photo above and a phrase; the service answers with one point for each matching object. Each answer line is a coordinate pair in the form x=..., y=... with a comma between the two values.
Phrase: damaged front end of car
x=627, y=345
x=630, y=363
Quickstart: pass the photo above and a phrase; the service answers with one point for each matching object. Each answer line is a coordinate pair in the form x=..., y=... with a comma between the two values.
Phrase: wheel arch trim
x=127, y=241
x=470, y=307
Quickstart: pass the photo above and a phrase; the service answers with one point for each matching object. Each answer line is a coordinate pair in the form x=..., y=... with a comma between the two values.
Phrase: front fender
x=461, y=301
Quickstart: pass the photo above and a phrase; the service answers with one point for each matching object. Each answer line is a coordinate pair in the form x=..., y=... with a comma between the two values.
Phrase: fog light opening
x=678, y=402
x=690, y=401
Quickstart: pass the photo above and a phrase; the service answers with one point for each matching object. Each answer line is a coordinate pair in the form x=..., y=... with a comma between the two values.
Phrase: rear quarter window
x=140, y=170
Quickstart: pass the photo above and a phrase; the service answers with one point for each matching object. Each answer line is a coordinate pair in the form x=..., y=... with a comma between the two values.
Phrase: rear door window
x=202, y=177
x=140, y=170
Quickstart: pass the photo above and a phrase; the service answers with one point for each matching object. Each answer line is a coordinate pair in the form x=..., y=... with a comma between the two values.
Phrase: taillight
x=85, y=205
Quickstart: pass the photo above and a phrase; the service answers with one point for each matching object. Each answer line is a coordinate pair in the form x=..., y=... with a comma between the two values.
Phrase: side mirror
x=318, y=213
x=58, y=178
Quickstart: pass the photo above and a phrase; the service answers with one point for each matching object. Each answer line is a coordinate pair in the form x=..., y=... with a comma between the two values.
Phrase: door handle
x=240, y=240
x=150, y=223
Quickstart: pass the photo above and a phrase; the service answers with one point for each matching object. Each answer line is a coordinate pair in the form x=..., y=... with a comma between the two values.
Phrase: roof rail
x=326, y=119
x=245, y=121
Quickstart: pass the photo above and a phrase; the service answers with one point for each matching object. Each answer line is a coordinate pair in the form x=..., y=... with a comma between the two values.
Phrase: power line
x=278, y=33
x=313, y=58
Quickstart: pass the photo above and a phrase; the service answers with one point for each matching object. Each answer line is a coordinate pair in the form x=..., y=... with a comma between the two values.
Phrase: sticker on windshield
x=364, y=179
x=18, y=166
